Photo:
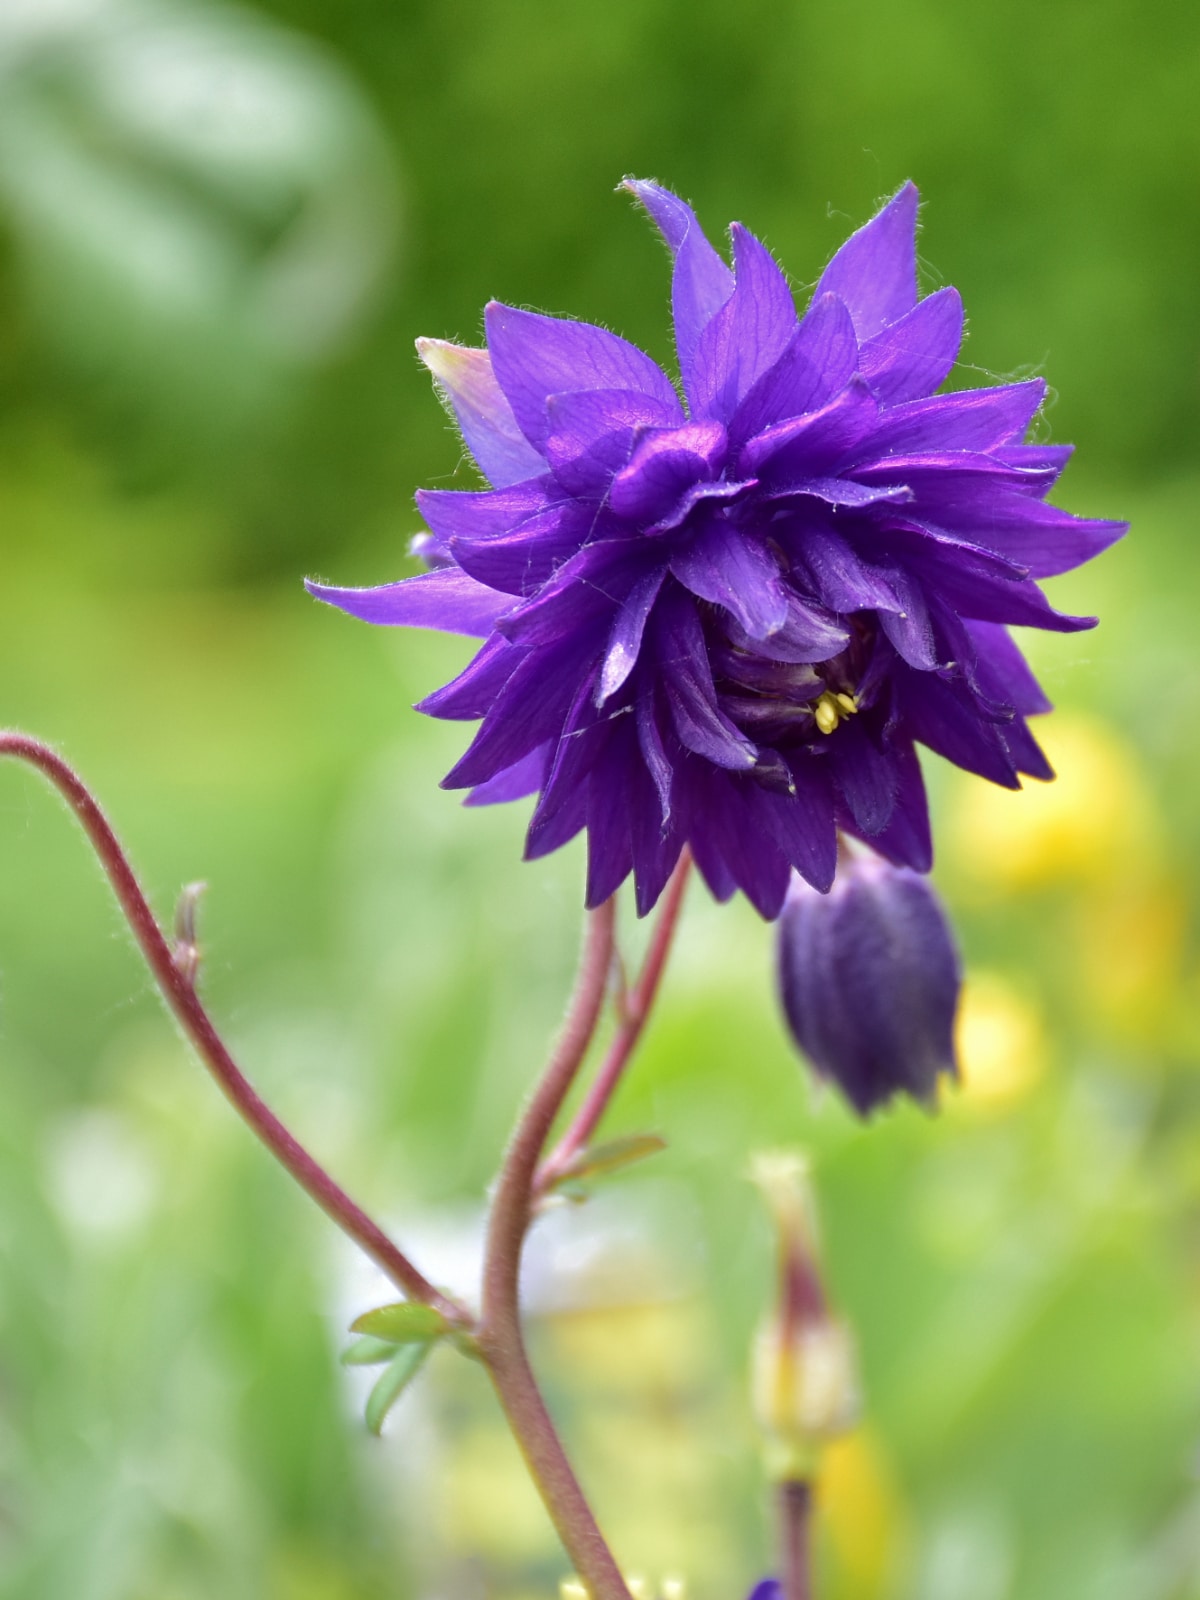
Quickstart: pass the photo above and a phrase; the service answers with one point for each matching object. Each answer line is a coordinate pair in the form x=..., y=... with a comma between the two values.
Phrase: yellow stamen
x=832, y=707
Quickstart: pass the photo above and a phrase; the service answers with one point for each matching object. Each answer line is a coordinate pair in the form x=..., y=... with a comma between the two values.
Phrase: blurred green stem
x=501, y=1338
x=174, y=973
x=635, y=1013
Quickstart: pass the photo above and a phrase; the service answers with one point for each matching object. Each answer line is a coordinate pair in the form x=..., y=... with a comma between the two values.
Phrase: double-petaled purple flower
x=724, y=619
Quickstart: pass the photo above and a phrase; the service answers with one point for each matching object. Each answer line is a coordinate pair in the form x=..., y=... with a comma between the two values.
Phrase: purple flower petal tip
x=869, y=977
x=726, y=621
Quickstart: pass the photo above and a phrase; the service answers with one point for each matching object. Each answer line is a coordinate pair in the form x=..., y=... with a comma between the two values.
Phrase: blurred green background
x=220, y=232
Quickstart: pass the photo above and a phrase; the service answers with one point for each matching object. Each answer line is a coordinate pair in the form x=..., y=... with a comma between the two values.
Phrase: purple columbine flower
x=869, y=977
x=724, y=618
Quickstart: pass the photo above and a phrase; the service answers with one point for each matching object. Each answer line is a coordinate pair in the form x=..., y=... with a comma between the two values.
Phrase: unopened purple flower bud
x=869, y=976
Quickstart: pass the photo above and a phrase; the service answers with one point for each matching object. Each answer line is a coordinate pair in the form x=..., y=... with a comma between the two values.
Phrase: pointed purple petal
x=802, y=823
x=941, y=715
x=865, y=776
x=625, y=640
x=1041, y=538
x=746, y=337
x=583, y=595
x=875, y=271
x=446, y=599
x=473, y=693
x=480, y=513
x=702, y=283
x=528, y=711
x=971, y=419
x=523, y=559
x=467, y=384
x=1004, y=672
x=515, y=782
x=912, y=356
x=816, y=366
x=810, y=633
x=534, y=356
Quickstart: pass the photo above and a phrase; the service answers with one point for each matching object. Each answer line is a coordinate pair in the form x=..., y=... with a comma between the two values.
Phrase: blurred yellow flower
x=861, y=1511
x=1096, y=818
x=1002, y=1045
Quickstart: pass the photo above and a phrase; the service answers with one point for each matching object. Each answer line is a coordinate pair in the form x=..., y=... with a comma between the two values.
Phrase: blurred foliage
x=220, y=231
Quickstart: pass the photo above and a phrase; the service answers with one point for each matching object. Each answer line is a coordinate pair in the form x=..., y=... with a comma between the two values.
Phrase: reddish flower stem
x=500, y=1337
x=795, y=1545
x=175, y=981
x=634, y=1016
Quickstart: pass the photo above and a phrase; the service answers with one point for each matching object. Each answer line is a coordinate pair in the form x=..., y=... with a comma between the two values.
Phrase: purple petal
x=875, y=271
x=610, y=846
x=906, y=840
x=466, y=382
x=954, y=476
x=664, y=463
x=1025, y=752
x=446, y=599
x=656, y=846
x=912, y=356
x=473, y=693
x=802, y=823
x=583, y=595
x=941, y=715
x=841, y=579
x=984, y=598
x=816, y=366
x=1003, y=670
x=1041, y=538
x=1039, y=457
x=516, y=782
x=810, y=633
x=746, y=337
x=535, y=356
x=971, y=419
x=702, y=283
x=592, y=433
x=582, y=747
x=625, y=640
x=490, y=511
x=654, y=751
x=866, y=777
x=687, y=681
x=731, y=568
x=844, y=491
x=816, y=444
x=529, y=710
x=521, y=560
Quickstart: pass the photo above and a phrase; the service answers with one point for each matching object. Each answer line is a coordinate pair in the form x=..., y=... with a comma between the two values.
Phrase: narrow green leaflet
x=405, y=1322
x=599, y=1159
x=393, y=1381
x=368, y=1351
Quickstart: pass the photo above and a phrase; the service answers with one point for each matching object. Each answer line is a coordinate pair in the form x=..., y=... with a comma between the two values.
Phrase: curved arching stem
x=173, y=970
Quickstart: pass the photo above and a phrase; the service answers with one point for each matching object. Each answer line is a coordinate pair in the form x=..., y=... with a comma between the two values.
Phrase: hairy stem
x=634, y=1015
x=501, y=1337
x=173, y=971
x=795, y=1530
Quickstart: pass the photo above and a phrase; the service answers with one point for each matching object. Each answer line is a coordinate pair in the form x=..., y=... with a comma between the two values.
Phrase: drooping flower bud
x=869, y=977
x=805, y=1381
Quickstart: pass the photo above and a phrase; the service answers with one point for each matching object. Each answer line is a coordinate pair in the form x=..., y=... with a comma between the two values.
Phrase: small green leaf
x=598, y=1159
x=406, y=1322
x=368, y=1352
x=393, y=1381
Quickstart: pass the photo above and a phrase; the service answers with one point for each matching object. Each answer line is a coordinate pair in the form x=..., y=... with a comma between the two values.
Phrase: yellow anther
x=832, y=707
